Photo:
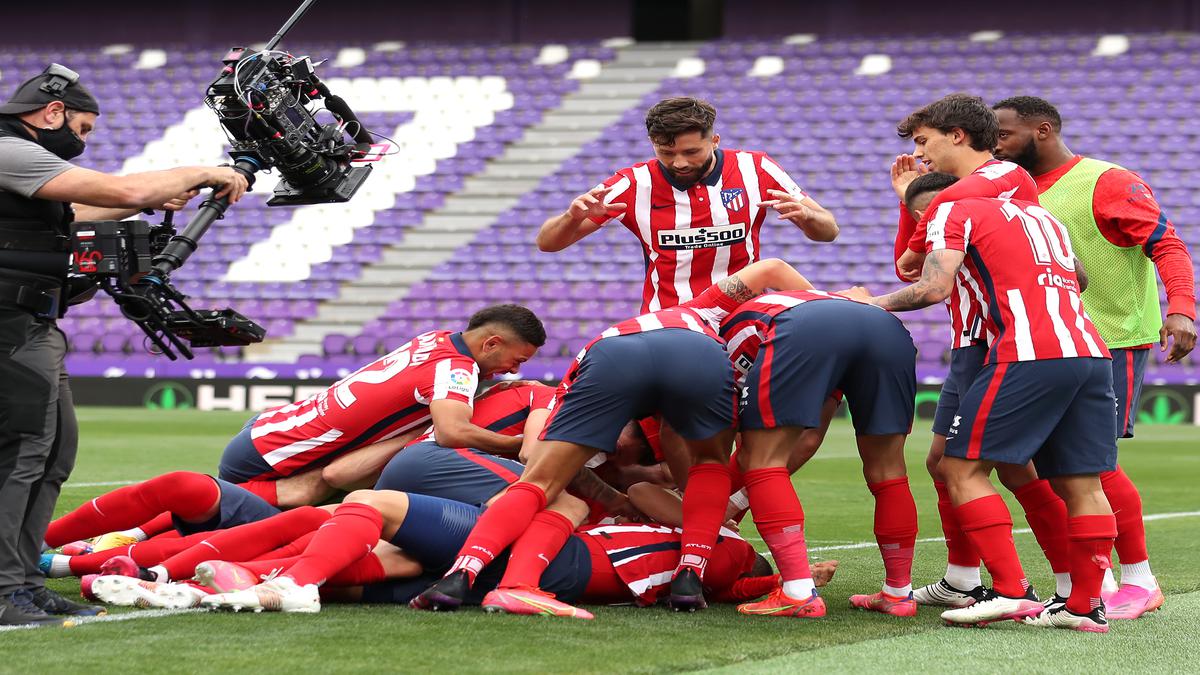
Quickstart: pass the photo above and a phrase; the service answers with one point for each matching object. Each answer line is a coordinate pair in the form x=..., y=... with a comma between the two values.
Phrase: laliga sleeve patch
x=461, y=381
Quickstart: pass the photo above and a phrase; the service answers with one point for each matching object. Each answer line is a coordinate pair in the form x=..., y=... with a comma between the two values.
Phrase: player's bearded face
x=689, y=158
x=504, y=355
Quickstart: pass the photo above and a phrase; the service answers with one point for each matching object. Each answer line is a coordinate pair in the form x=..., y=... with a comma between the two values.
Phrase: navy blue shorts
x=238, y=507
x=1057, y=412
x=241, y=462
x=818, y=347
x=965, y=363
x=1128, y=368
x=433, y=532
x=683, y=374
x=463, y=475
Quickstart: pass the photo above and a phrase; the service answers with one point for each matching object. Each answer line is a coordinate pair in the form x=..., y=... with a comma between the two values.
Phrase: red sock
x=535, y=548
x=1046, y=514
x=366, y=570
x=291, y=549
x=267, y=489
x=350, y=534
x=895, y=529
x=145, y=553
x=988, y=524
x=244, y=542
x=704, y=503
x=958, y=546
x=160, y=524
x=183, y=493
x=264, y=567
x=1127, y=507
x=780, y=520
x=499, y=527
x=737, y=481
x=1091, y=549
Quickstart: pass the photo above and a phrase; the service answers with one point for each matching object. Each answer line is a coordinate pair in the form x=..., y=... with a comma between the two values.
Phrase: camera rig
x=260, y=99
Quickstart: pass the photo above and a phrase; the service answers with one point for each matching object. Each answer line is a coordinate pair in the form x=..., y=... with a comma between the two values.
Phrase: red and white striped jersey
x=994, y=178
x=385, y=398
x=645, y=557
x=746, y=327
x=695, y=236
x=505, y=411
x=1019, y=260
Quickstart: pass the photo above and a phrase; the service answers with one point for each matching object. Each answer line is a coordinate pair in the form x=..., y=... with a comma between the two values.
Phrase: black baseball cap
x=56, y=83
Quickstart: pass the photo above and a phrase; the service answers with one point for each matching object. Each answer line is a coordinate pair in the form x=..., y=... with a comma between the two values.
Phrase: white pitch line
x=106, y=483
x=128, y=616
x=1024, y=530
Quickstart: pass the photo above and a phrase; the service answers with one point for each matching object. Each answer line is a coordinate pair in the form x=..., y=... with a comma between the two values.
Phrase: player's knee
x=367, y=497
x=332, y=476
x=933, y=462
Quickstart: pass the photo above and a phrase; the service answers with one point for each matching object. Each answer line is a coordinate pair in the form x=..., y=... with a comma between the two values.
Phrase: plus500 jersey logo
x=702, y=237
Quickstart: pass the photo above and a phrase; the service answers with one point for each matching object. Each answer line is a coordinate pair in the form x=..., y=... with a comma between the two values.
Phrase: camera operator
x=44, y=125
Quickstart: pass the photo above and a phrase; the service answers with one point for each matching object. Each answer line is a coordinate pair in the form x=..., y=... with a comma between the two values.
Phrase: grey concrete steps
x=581, y=117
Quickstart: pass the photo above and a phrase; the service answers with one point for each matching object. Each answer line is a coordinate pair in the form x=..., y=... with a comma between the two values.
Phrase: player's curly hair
x=520, y=320
x=956, y=111
x=1032, y=107
x=674, y=116
x=930, y=182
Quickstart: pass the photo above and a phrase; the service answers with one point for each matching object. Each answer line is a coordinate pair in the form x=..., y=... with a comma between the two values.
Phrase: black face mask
x=62, y=141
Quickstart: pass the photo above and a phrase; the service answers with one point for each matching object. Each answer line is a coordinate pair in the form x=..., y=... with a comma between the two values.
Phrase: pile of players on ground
x=618, y=486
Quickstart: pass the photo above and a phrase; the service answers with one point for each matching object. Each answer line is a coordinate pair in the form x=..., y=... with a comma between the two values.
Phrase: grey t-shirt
x=26, y=166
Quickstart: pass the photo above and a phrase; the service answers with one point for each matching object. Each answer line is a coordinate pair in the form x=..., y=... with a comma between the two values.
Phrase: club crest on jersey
x=733, y=199
x=702, y=237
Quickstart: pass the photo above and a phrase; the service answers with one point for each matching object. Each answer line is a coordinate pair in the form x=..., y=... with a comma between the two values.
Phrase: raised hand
x=905, y=170
x=591, y=205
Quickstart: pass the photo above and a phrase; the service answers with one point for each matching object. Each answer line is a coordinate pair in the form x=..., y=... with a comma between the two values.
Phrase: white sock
x=135, y=532
x=60, y=566
x=160, y=573
x=899, y=591
x=963, y=578
x=1062, y=584
x=1109, y=585
x=800, y=589
x=1139, y=574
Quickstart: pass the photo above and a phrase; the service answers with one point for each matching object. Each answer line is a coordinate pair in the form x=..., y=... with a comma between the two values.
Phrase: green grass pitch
x=124, y=445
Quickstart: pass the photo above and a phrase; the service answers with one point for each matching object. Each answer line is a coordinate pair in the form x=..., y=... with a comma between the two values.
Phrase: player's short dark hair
x=520, y=320
x=956, y=111
x=682, y=115
x=761, y=566
x=1032, y=107
x=930, y=182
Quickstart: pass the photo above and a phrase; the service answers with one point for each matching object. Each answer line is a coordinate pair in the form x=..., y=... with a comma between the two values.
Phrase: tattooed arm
x=934, y=286
x=752, y=280
x=589, y=486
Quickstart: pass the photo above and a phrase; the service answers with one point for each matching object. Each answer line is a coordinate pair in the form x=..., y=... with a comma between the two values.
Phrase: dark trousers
x=39, y=437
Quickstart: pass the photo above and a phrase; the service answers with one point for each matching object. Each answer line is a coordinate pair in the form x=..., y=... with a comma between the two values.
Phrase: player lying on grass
x=596, y=564
x=285, y=454
x=671, y=362
x=1044, y=394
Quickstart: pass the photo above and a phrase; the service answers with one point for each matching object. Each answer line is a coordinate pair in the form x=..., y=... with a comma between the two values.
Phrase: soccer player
x=279, y=453
x=804, y=346
x=1121, y=234
x=601, y=564
x=670, y=361
x=955, y=135
x=1044, y=393
x=697, y=209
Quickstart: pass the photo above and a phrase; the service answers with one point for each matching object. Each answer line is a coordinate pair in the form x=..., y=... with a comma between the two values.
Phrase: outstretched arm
x=934, y=286
x=758, y=277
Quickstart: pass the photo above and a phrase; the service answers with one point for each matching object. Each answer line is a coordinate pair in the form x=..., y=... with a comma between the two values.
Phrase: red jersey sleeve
x=620, y=186
x=454, y=378
x=905, y=228
x=773, y=177
x=947, y=228
x=541, y=397
x=1128, y=214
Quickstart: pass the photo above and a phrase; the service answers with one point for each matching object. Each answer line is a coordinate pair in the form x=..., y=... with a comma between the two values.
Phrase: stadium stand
x=495, y=138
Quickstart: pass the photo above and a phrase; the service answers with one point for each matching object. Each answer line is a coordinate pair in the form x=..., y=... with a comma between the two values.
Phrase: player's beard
x=1026, y=158
x=689, y=179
